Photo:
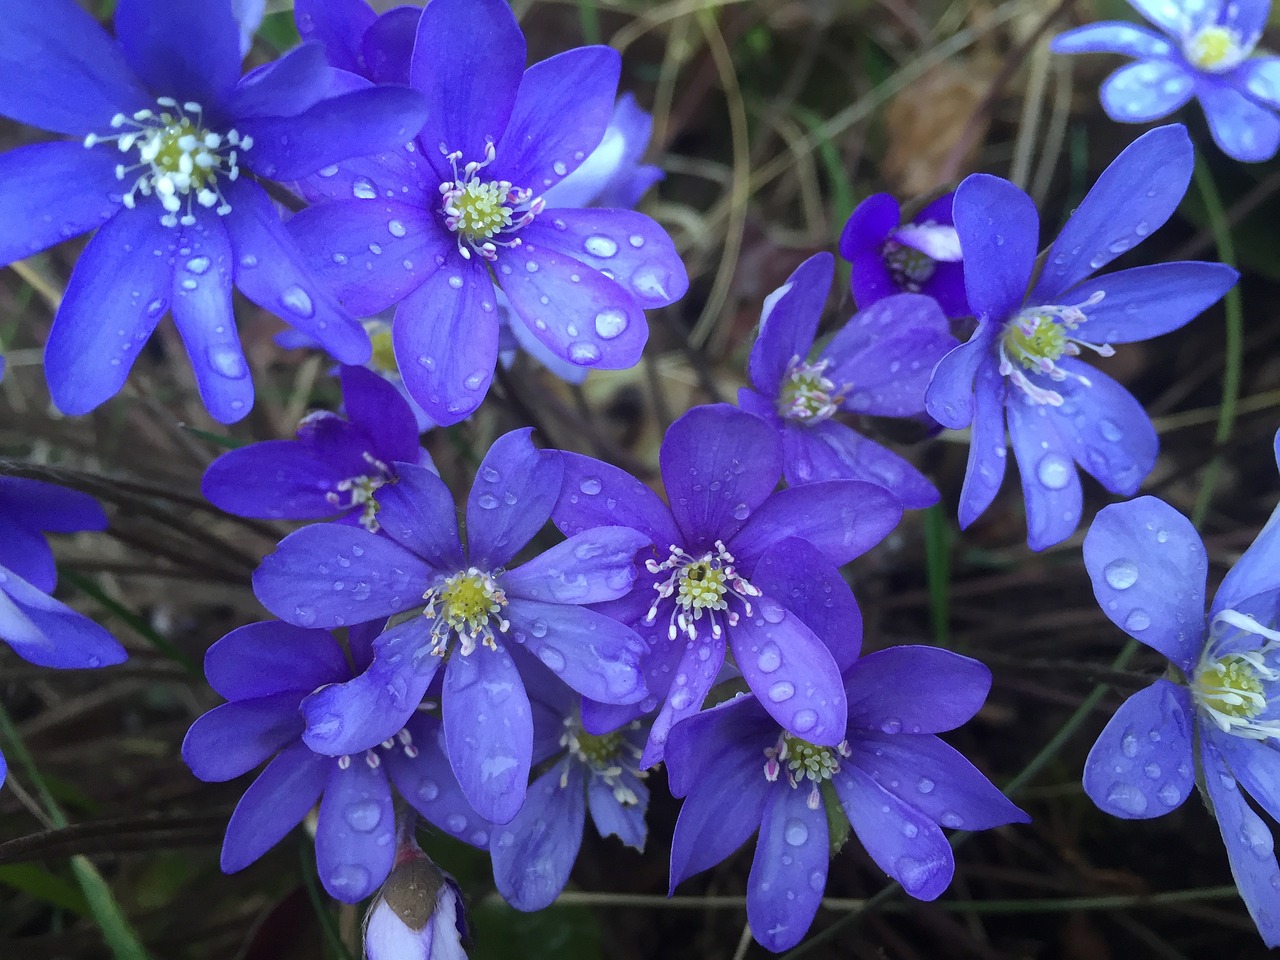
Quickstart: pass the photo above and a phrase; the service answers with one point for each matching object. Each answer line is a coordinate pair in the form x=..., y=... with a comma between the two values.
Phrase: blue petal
x=733, y=733
x=331, y=575
x=695, y=672
x=387, y=46
x=61, y=71
x=811, y=587
x=272, y=480
x=1241, y=128
x=1146, y=91
x=45, y=506
x=598, y=494
x=949, y=398
x=1144, y=302
x=1260, y=77
x=430, y=787
x=587, y=568
x=273, y=805
x=418, y=513
x=914, y=689
x=298, y=80
x=1112, y=36
x=235, y=737
x=337, y=25
x=25, y=552
x=48, y=633
x=1000, y=235
x=1050, y=483
x=1105, y=429
x=611, y=816
x=264, y=659
x=1255, y=571
x=50, y=192
x=375, y=405
x=612, y=174
x=511, y=499
x=355, y=832
x=789, y=321
x=533, y=854
x=1252, y=762
x=117, y=294
x=789, y=870
x=1133, y=197
x=1250, y=847
x=988, y=448
x=1148, y=569
x=833, y=451
x=489, y=731
x=184, y=49
x=1141, y=765
x=593, y=654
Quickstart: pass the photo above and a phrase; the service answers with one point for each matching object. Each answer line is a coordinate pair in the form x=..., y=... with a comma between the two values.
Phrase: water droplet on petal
x=487, y=501
x=227, y=362
x=583, y=352
x=297, y=301
x=198, y=265
x=804, y=721
x=770, y=658
x=796, y=833
x=600, y=246
x=1137, y=620
x=362, y=189
x=364, y=816
x=1121, y=574
x=428, y=791
x=781, y=691
x=925, y=785
x=610, y=323
x=590, y=486
x=1127, y=797
x=1054, y=471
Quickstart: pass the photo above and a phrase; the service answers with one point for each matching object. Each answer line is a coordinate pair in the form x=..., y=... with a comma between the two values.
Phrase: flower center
x=383, y=359
x=807, y=395
x=908, y=267
x=1216, y=49
x=801, y=760
x=1232, y=688
x=608, y=756
x=1037, y=338
x=700, y=585
x=360, y=491
x=484, y=213
x=469, y=604
x=180, y=160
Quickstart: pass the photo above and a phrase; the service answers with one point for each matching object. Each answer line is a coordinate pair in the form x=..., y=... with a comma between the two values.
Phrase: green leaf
x=40, y=883
x=279, y=32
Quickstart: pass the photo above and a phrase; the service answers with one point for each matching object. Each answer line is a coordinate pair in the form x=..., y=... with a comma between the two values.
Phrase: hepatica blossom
x=169, y=139
x=461, y=610
x=334, y=467
x=696, y=598
x=418, y=914
x=1021, y=367
x=432, y=227
x=1202, y=49
x=878, y=363
x=38, y=628
x=888, y=256
x=1218, y=710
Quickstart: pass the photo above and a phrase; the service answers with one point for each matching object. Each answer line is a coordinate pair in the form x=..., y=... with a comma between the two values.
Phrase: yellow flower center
x=384, y=355
x=1215, y=49
x=702, y=586
x=1230, y=686
x=1034, y=338
x=807, y=395
x=480, y=209
x=468, y=604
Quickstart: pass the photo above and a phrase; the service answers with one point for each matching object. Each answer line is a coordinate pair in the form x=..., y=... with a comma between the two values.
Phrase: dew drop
x=395, y=228
x=428, y=790
x=590, y=486
x=349, y=876
x=1053, y=471
x=891, y=725
x=1127, y=797
x=610, y=323
x=925, y=785
x=297, y=301
x=600, y=246
x=770, y=658
x=363, y=816
x=796, y=833
x=804, y=721
x=1121, y=574
x=1137, y=620
x=487, y=501
x=782, y=691
x=583, y=352
x=362, y=189
x=198, y=265
x=1110, y=431
x=227, y=362
x=552, y=657
x=741, y=512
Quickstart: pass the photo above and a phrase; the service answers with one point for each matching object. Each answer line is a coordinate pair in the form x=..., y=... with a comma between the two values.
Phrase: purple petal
x=588, y=568
x=1000, y=235
x=913, y=689
x=597, y=494
x=862, y=243
x=810, y=586
x=263, y=659
x=1255, y=765
x=185, y=49
x=905, y=843
x=428, y=784
x=1144, y=302
x=235, y=737
x=596, y=656
x=359, y=249
x=37, y=505
x=626, y=821
x=533, y=854
x=446, y=339
x=591, y=321
x=842, y=518
x=1255, y=571
x=355, y=831
x=377, y=407
x=1145, y=91
x=789, y=870
x=1105, y=429
x=418, y=513
x=1171, y=18
x=1250, y=847
x=695, y=673
x=273, y=805
x=1134, y=196
x=338, y=25
x=400, y=174
x=387, y=46
x=25, y=552
x=628, y=247
x=468, y=61
x=949, y=398
x=933, y=777
x=1141, y=765
x=559, y=116
x=888, y=352
x=988, y=448
x=1260, y=77
x=48, y=633
x=86, y=358
x=1148, y=569
x=331, y=575
x=789, y=321
x=289, y=85
x=833, y=451
x=52, y=191
x=1112, y=36
x=719, y=465
x=347, y=718
x=718, y=816
x=612, y=174
x=274, y=479
x=1241, y=128
x=271, y=271
x=1050, y=483
x=511, y=499
x=489, y=731
x=733, y=733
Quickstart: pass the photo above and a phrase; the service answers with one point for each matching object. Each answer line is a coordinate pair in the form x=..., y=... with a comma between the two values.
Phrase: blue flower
x=466, y=610
x=1204, y=49
x=878, y=363
x=1020, y=364
x=1218, y=710
x=334, y=467
x=358, y=40
x=432, y=227
x=896, y=782
x=696, y=598
x=167, y=135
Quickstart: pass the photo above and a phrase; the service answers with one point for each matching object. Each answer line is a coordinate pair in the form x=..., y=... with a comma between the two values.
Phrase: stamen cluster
x=1216, y=49
x=604, y=755
x=469, y=604
x=801, y=760
x=484, y=212
x=361, y=489
x=1037, y=338
x=807, y=395
x=909, y=267
x=373, y=759
x=699, y=585
x=1231, y=688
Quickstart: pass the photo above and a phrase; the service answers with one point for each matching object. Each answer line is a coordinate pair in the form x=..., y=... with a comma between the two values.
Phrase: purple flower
x=612, y=175
x=334, y=467
x=1204, y=48
x=37, y=627
x=465, y=610
x=418, y=915
x=167, y=133
x=359, y=40
x=720, y=466
x=922, y=256
x=895, y=781
x=1219, y=709
x=265, y=670
x=878, y=363
x=434, y=226
x=1020, y=364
